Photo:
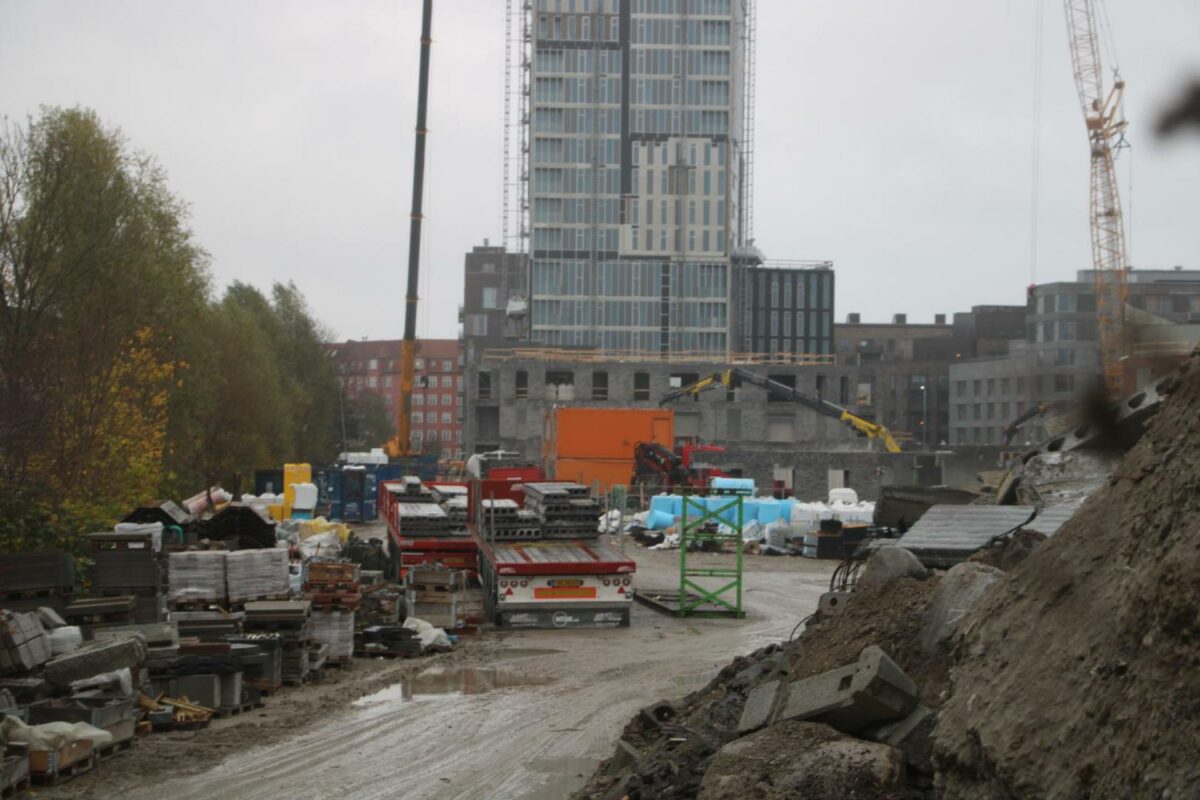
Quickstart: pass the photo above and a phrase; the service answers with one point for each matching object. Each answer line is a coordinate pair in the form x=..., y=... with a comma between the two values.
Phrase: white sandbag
x=428, y=635
x=65, y=640
x=843, y=496
x=153, y=529
x=51, y=735
x=119, y=681
x=306, y=496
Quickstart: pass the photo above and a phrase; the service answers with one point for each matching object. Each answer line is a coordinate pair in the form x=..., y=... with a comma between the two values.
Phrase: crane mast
x=1105, y=125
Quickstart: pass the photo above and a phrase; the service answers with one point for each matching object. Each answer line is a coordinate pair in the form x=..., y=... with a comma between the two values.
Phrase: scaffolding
x=518, y=62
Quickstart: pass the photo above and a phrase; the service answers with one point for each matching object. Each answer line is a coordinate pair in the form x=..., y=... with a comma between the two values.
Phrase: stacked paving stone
x=335, y=593
x=125, y=564
x=290, y=620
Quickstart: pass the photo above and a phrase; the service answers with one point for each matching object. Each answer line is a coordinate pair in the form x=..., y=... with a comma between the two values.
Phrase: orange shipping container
x=608, y=433
x=604, y=473
x=595, y=445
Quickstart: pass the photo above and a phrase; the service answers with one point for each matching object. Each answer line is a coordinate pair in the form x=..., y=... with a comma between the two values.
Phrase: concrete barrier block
x=832, y=604
x=853, y=697
x=760, y=705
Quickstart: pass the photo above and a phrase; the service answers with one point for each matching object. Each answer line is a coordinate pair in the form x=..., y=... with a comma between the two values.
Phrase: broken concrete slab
x=853, y=697
x=50, y=618
x=959, y=590
x=832, y=604
x=889, y=563
x=658, y=714
x=947, y=534
x=802, y=759
x=155, y=634
x=626, y=756
x=94, y=659
x=760, y=707
x=912, y=735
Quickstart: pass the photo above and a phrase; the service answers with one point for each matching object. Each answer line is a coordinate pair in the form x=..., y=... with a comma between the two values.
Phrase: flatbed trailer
x=548, y=583
x=458, y=551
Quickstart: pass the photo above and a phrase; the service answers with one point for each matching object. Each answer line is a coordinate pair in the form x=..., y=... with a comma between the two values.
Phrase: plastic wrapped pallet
x=336, y=629
x=256, y=574
x=196, y=577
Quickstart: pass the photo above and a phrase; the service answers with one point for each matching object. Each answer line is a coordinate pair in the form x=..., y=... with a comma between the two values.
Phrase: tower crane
x=1102, y=114
x=402, y=444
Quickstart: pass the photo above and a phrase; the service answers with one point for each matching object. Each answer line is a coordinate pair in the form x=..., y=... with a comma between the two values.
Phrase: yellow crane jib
x=735, y=376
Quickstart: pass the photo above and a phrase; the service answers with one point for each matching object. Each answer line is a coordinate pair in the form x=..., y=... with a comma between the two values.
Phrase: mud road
x=509, y=715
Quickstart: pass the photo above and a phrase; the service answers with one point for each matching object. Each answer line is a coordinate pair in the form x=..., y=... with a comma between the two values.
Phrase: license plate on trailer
x=565, y=593
x=565, y=583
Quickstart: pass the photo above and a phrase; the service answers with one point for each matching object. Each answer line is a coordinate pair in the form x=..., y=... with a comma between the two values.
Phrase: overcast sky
x=895, y=139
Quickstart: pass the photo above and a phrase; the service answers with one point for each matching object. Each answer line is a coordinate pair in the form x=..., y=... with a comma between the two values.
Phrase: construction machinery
x=1036, y=410
x=1102, y=114
x=657, y=468
x=402, y=445
x=736, y=376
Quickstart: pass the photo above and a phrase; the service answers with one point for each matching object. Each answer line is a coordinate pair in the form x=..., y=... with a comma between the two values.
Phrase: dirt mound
x=1009, y=551
x=888, y=616
x=669, y=758
x=1079, y=674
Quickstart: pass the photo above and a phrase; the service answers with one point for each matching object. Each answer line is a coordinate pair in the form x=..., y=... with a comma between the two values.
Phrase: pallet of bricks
x=29, y=581
x=334, y=590
x=128, y=564
x=301, y=657
x=437, y=596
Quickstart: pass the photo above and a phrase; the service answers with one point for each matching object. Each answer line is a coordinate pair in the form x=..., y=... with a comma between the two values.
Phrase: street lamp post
x=924, y=416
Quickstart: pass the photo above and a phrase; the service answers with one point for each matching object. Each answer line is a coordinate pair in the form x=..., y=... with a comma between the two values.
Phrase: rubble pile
x=1061, y=665
x=1076, y=676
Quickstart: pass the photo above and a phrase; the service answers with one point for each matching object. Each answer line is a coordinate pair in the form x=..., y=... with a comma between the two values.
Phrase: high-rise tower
x=635, y=168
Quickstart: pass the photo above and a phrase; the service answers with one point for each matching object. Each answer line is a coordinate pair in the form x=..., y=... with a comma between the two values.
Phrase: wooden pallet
x=73, y=770
x=223, y=712
x=112, y=749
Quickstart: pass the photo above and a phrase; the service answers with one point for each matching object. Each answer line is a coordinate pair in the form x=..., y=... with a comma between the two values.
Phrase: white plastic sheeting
x=252, y=574
x=196, y=577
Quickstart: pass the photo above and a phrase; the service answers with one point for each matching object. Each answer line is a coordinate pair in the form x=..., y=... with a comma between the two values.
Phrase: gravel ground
x=524, y=714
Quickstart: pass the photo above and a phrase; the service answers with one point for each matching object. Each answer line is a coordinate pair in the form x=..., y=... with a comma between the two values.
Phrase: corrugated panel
x=948, y=534
x=1049, y=520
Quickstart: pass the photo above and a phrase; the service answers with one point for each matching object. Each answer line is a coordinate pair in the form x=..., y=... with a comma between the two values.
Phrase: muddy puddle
x=450, y=681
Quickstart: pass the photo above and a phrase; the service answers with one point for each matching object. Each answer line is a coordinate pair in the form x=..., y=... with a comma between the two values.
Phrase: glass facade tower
x=635, y=121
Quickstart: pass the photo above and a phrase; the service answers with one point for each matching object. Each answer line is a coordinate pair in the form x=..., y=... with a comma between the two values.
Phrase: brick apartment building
x=374, y=366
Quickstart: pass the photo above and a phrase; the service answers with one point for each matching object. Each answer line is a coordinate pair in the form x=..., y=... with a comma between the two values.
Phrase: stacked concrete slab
x=25, y=644
x=948, y=534
x=127, y=564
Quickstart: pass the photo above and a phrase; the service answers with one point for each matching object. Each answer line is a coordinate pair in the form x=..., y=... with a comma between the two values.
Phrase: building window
x=446, y=436
x=1064, y=383
x=430, y=417
x=418, y=399
x=447, y=382
x=484, y=383
x=490, y=297
x=960, y=388
x=432, y=399
x=417, y=417
x=419, y=364
x=372, y=382
x=599, y=385
x=387, y=381
x=373, y=364
x=641, y=386
x=975, y=387
x=991, y=410
x=522, y=385
x=447, y=399
x=448, y=366
x=977, y=410
x=446, y=418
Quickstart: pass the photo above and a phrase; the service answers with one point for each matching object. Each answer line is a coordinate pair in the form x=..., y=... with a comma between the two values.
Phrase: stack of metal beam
x=566, y=510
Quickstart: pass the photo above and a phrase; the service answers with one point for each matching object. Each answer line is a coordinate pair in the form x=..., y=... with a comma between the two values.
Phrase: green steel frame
x=694, y=596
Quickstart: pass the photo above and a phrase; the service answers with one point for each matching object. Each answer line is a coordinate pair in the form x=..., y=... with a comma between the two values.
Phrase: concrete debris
x=912, y=735
x=761, y=706
x=948, y=534
x=890, y=562
x=959, y=590
x=832, y=603
x=158, y=634
x=794, y=759
x=853, y=697
x=23, y=643
x=95, y=659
